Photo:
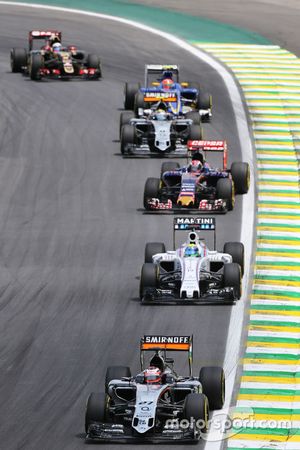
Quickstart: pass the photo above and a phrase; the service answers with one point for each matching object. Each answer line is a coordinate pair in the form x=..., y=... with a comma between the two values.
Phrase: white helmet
x=56, y=47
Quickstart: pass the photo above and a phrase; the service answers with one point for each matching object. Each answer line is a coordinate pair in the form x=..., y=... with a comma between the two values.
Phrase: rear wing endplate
x=194, y=224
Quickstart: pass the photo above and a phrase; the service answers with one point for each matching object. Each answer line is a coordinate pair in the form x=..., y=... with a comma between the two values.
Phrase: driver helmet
x=167, y=83
x=56, y=47
x=152, y=375
x=192, y=250
x=195, y=166
x=161, y=115
x=73, y=49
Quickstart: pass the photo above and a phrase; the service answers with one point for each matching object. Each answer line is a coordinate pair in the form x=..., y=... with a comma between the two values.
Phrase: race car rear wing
x=157, y=70
x=159, y=343
x=160, y=96
x=42, y=34
x=209, y=146
x=194, y=224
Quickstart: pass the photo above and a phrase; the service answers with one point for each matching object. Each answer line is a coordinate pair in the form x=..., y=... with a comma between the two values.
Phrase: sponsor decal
x=166, y=339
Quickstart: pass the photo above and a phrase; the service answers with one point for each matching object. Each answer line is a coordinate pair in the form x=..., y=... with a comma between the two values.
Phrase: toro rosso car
x=151, y=406
x=157, y=132
x=192, y=273
x=52, y=60
x=165, y=78
x=197, y=186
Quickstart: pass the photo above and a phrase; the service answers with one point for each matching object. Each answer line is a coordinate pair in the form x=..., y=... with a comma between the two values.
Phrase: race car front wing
x=117, y=432
x=155, y=296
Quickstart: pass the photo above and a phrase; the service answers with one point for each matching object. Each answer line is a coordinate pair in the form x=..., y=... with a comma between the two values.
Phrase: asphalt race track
x=71, y=236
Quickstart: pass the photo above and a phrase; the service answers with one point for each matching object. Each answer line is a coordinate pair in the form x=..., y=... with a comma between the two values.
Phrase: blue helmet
x=192, y=250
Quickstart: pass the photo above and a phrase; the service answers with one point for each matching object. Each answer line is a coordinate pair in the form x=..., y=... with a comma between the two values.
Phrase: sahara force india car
x=164, y=78
x=192, y=273
x=149, y=407
x=197, y=186
x=157, y=132
x=45, y=62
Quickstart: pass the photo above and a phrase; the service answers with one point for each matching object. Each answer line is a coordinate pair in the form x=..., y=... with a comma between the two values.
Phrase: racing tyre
x=196, y=408
x=36, y=64
x=152, y=248
x=128, y=136
x=194, y=116
x=130, y=89
x=116, y=373
x=213, y=386
x=95, y=409
x=125, y=118
x=195, y=133
x=93, y=62
x=237, y=251
x=204, y=101
x=152, y=190
x=18, y=59
x=225, y=191
x=149, y=277
x=240, y=172
x=169, y=166
x=139, y=102
x=233, y=278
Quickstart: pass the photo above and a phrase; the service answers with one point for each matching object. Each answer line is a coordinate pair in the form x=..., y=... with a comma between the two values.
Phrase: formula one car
x=51, y=60
x=192, y=273
x=197, y=186
x=165, y=78
x=150, y=406
x=157, y=133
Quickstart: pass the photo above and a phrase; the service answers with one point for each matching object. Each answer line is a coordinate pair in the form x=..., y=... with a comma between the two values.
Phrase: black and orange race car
x=52, y=60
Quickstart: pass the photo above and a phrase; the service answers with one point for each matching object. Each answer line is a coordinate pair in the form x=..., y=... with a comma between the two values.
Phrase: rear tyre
x=139, y=102
x=194, y=116
x=240, y=172
x=116, y=373
x=213, y=386
x=130, y=89
x=237, y=251
x=128, y=136
x=36, y=64
x=152, y=248
x=152, y=190
x=169, y=166
x=18, y=59
x=149, y=277
x=196, y=133
x=225, y=191
x=95, y=409
x=125, y=118
x=233, y=278
x=196, y=408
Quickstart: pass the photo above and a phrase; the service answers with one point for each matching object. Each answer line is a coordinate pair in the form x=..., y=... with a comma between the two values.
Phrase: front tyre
x=36, y=64
x=225, y=191
x=196, y=409
x=95, y=409
x=149, y=278
x=128, y=137
x=18, y=59
x=151, y=190
x=233, y=278
x=212, y=380
x=93, y=62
